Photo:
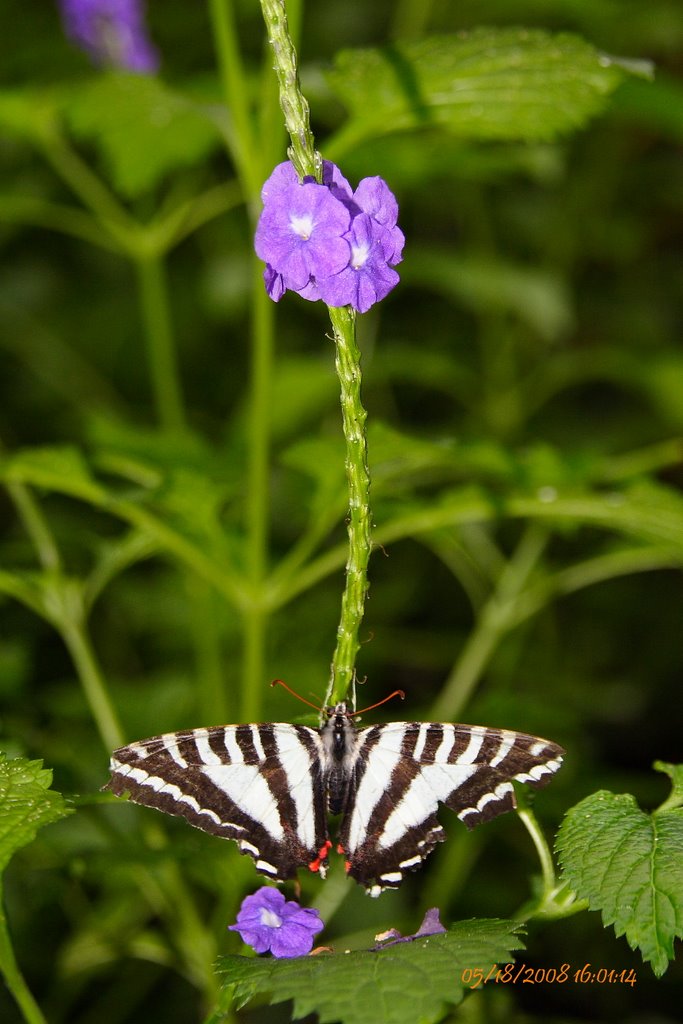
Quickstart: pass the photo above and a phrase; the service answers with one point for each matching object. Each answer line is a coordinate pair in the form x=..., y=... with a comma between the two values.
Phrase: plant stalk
x=359, y=521
x=92, y=681
x=302, y=151
x=161, y=352
x=14, y=979
x=255, y=614
x=307, y=161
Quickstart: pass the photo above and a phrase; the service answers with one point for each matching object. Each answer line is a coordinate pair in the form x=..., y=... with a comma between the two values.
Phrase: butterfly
x=270, y=787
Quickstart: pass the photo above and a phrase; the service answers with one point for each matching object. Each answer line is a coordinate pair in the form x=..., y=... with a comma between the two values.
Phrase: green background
x=532, y=351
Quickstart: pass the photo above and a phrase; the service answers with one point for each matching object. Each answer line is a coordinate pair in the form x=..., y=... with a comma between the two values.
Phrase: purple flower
x=327, y=241
x=268, y=922
x=112, y=32
x=374, y=197
x=300, y=233
x=367, y=277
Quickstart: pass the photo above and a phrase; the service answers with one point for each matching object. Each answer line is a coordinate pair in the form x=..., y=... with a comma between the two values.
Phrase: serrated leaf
x=628, y=865
x=485, y=84
x=405, y=983
x=143, y=129
x=26, y=804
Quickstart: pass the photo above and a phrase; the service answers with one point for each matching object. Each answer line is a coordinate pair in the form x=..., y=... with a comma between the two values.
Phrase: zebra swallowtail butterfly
x=270, y=787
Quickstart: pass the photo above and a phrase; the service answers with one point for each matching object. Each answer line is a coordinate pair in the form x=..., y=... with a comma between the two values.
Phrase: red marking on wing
x=322, y=856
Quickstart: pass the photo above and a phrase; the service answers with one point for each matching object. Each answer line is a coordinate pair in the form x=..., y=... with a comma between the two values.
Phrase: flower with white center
x=368, y=276
x=326, y=241
x=300, y=234
x=269, y=923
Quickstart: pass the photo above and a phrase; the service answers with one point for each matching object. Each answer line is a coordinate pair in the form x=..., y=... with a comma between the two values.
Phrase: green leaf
x=486, y=84
x=178, y=528
x=26, y=804
x=675, y=773
x=25, y=587
x=407, y=982
x=27, y=113
x=60, y=468
x=143, y=129
x=629, y=865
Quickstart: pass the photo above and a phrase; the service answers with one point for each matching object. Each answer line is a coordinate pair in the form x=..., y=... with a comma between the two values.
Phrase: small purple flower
x=112, y=32
x=268, y=922
x=327, y=241
x=374, y=197
x=300, y=233
x=368, y=277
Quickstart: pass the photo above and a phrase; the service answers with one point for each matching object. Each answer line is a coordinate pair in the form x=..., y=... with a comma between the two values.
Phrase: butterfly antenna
x=280, y=682
x=396, y=693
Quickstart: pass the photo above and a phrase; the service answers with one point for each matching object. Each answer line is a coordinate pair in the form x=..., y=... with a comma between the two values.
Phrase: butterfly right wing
x=260, y=785
x=404, y=770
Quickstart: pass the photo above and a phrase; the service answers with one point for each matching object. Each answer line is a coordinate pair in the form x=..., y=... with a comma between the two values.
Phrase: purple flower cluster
x=112, y=32
x=269, y=923
x=327, y=241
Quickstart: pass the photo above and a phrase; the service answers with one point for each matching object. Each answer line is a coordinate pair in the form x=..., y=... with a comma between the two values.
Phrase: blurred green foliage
x=525, y=394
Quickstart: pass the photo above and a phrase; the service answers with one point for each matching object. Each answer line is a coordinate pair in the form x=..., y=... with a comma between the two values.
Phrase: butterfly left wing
x=403, y=770
x=257, y=784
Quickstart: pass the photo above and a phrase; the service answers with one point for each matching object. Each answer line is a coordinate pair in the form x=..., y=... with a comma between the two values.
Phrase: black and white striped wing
x=405, y=769
x=260, y=785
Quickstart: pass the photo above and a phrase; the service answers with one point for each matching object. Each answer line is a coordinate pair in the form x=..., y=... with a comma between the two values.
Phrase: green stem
x=494, y=620
x=87, y=186
x=359, y=520
x=259, y=438
x=161, y=353
x=307, y=161
x=302, y=151
x=63, y=606
x=247, y=157
x=35, y=526
x=241, y=132
x=195, y=942
x=542, y=849
x=556, y=900
x=213, y=704
x=410, y=18
x=76, y=638
x=14, y=979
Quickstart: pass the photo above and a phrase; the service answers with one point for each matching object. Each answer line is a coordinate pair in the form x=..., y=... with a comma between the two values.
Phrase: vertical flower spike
x=112, y=32
x=269, y=923
x=326, y=241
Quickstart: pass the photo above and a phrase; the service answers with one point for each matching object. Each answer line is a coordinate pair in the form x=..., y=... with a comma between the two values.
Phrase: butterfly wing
x=257, y=784
x=405, y=769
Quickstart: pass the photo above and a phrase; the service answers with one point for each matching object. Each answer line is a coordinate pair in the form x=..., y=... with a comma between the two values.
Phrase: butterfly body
x=270, y=787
